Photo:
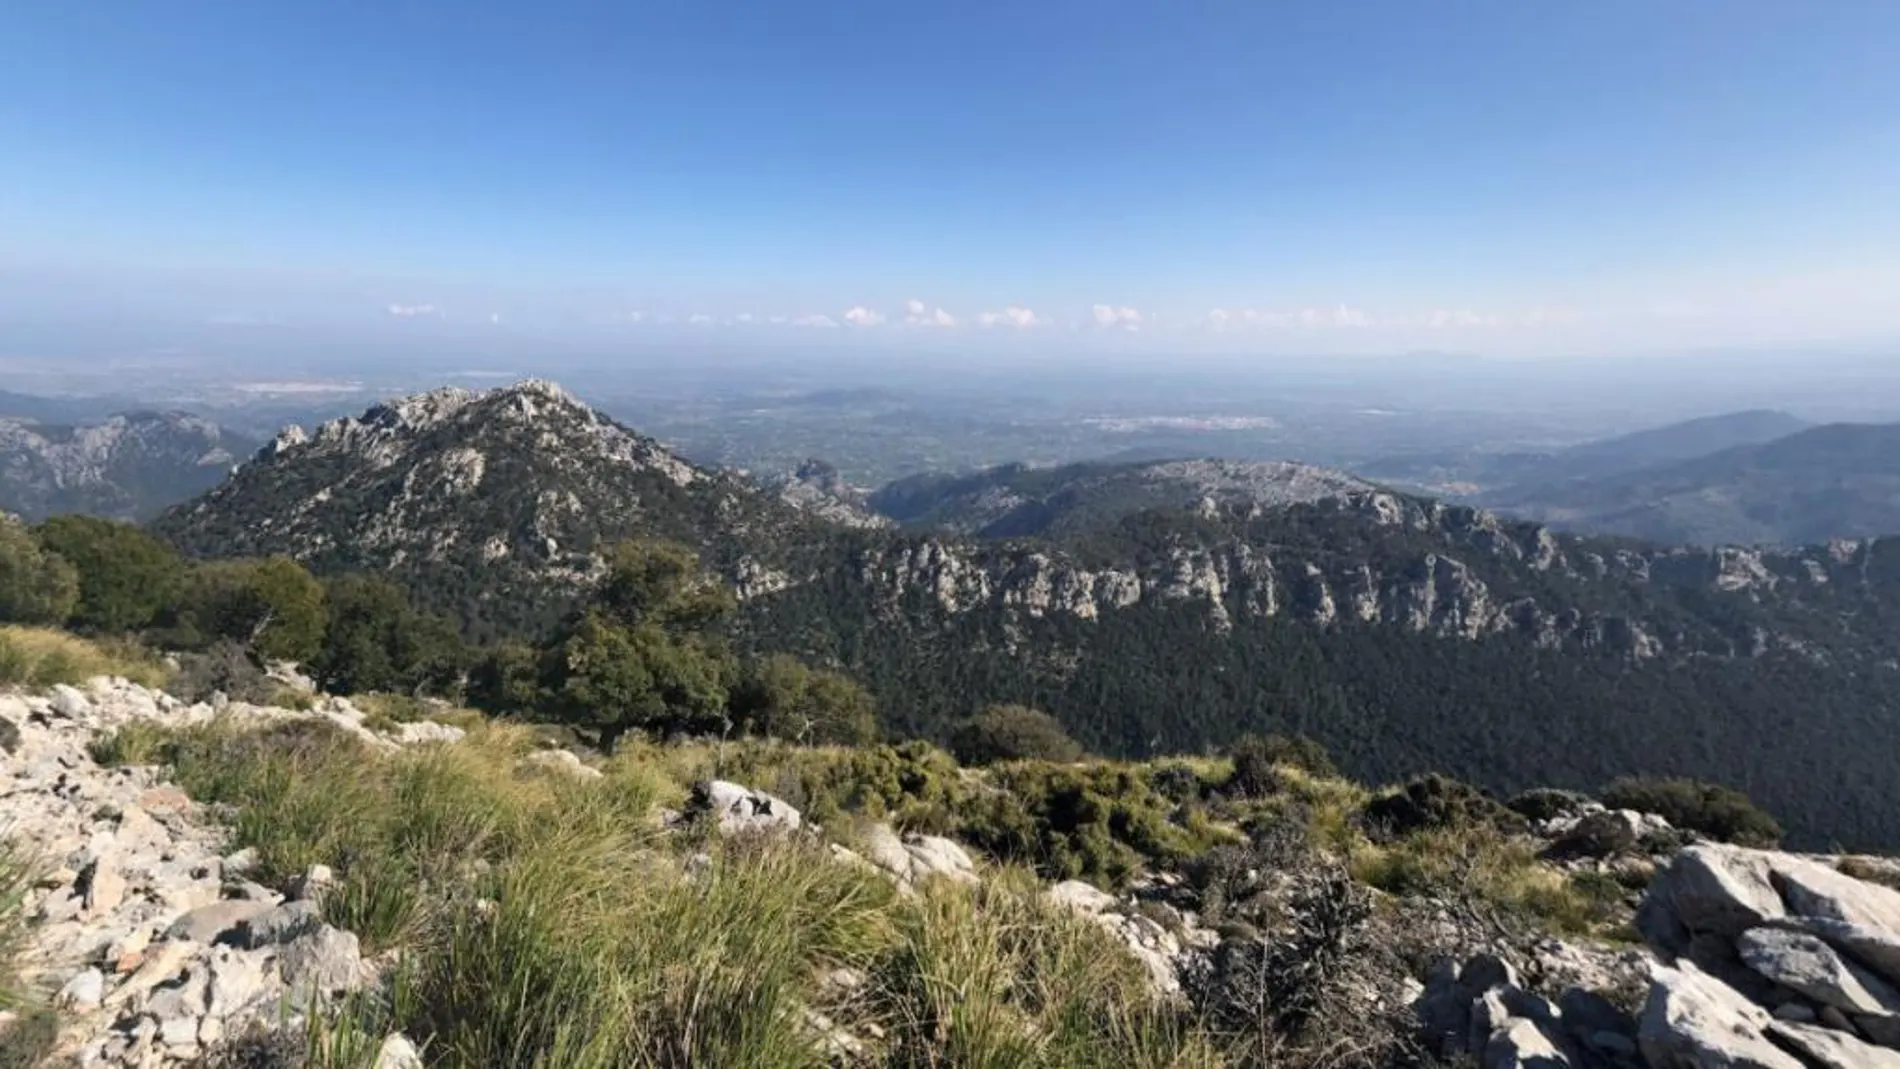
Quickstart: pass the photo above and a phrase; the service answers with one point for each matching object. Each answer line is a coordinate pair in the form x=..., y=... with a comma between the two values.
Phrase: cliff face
x=128, y=467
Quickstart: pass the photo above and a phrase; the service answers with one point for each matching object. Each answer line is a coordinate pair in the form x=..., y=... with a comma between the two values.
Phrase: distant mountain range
x=1152, y=607
x=128, y=466
x=1841, y=480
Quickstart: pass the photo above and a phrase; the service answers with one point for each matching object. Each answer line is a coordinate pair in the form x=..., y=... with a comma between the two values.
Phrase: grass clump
x=41, y=657
x=1500, y=875
x=31, y=1036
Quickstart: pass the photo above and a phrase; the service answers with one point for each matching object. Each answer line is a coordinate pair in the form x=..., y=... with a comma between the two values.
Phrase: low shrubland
x=41, y=657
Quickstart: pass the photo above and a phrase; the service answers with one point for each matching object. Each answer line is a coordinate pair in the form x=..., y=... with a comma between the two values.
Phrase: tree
x=376, y=641
x=1013, y=733
x=36, y=587
x=783, y=698
x=126, y=577
x=506, y=679
x=275, y=606
x=1255, y=757
x=1710, y=808
x=644, y=655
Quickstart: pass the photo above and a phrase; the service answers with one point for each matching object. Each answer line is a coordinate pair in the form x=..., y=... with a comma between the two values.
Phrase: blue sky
x=1511, y=177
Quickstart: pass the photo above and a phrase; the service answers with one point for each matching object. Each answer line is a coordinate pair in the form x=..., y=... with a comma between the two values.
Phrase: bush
x=376, y=642
x=1013, y=733
x=506, y=680
x=1256, y=759
x=784, y=699
x=1716, y=811
x=1436, y=802
x=36, y=586
x=274, y=606
x=1545, y=803
x=225, y=668
x=127, y=578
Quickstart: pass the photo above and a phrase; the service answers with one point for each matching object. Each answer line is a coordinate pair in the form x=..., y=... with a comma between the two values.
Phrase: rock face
x=1778, y=960
x=737, y=810
x=156, y=944
x=128, y=467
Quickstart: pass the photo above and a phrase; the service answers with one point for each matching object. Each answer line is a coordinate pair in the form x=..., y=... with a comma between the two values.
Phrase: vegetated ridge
x=129, y=466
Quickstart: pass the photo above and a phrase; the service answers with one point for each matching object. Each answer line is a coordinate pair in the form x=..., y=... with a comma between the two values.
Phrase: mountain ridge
x=127, y=466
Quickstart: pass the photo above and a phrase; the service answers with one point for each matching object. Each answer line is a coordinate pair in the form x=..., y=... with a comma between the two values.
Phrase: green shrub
x=376, y=641
x=1013, y=733
x=274, y=606
x=34, y=657
x=1716, y=811
x=1545, y=803
x=1436, y=802
x=36, y=586
x=1257, y=758
x=779, y=697
x=126, y=577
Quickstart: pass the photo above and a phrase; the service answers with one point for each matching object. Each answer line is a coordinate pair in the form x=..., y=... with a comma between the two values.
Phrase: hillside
x=1488, y=479
x=1406, y=634
x=129, y=466
x=1019, y=501
x=1836, y=481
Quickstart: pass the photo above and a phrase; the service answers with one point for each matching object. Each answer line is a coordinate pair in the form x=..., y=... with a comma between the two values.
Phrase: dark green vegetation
x=1714, y=811
x=129, y=466
x=1012, y=733
x=1404, y=635
x=1836, y=481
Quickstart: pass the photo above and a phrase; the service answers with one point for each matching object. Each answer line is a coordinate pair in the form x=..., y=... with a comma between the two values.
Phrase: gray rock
x=69, y=703
x=240, y=863
x=1882, y=1030
x=1876, y=948
x=1709, y=888
x=1586, y=1015
x=564, y=762
x=180, y=1034
x=219, y=920
x=1808, y=965
x=1798, y=1012
x=1521, y=1044
x=280, y=925
x=1833, y=1050
x=1815, y=890
x=311, y=885
x=327, y=960
x=238, y=980
x=1603, y=834
x=1080, y=897
x=84, y=991
x=103, y=886
x=740, y=810
x=1694, y=1021
x=9, y=736
x=1485, y=971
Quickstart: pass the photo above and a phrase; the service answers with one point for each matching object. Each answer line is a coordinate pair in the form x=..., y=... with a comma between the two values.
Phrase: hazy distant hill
x=1836, y=481
x=1491, y=478
x=129, y=466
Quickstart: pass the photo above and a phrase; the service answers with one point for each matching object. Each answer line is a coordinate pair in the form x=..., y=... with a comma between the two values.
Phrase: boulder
x=327, y=960
x=1694, y=1021
x=740, y=810
x=219, y=920
x=280, y=925
x=1815, y=890
x=1709, y=888
x=1522, y=1044
x=1079, y=897
x=1605, y=833
x=69, y=703
x=1828, y=1049
x=1876, y=948
x=1806, y=964
x=398, y=1053
x=83, y=992
x=565, y=762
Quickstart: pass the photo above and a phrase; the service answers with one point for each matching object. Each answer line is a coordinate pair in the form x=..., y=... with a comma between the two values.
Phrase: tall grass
x=32, y=1034
x=546, y=922
x=41, y=657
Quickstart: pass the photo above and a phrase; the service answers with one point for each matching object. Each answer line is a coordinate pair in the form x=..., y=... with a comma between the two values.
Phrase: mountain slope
x=1487, y=478
x=1018, y=501
x=1836, y=481
x=1407, y=634
x=495, y=502
x=129, y=466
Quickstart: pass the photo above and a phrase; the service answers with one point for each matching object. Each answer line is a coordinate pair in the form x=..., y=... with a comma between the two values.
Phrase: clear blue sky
x=1510, y=175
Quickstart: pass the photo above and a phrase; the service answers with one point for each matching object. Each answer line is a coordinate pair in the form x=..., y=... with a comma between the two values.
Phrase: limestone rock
x=1876, y=948
x=208, y=924
x=1828, y=1049
x=398, y=1053
x=1709, y=888
x=1815, y=890
x=326, y=960
x=279, y=925
x=1808, y=965
x=1522, y=1044
x=84, y=991
x=566, y=762
x=740, y=810
x=1694, y=1021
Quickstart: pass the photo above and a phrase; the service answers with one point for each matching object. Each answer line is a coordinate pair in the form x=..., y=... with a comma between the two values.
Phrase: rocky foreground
x=157, y=949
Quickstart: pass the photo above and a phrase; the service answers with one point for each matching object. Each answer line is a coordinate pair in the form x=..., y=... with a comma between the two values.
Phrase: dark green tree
x=781, y=697
x=274, y=606
x=506, y=679
x=1714, y=810
x=36, y=587
x=127, y=578
x=645, y=655
x=376, y=641
x=1013, y=733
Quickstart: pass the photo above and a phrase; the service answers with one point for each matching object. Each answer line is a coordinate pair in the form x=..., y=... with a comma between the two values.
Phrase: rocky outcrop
x=1774, y=960
x=736, y=810
x=129, y=466
x=151, y=935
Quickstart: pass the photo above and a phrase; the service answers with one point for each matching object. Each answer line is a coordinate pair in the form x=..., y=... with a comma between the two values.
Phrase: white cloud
x=1110, y=316
x=495, y=318
x=700, y=319
x=742, y=317
x=636, y=317
x=1012, y=316
x=919, y=314
x=778, y=319
x=1445, y=318
x=861, y=316
x=412, y=311
x=814, y=321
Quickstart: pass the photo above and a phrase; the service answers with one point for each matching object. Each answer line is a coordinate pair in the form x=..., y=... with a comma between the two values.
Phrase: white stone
x=84, y=991
x=1694, y=1021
